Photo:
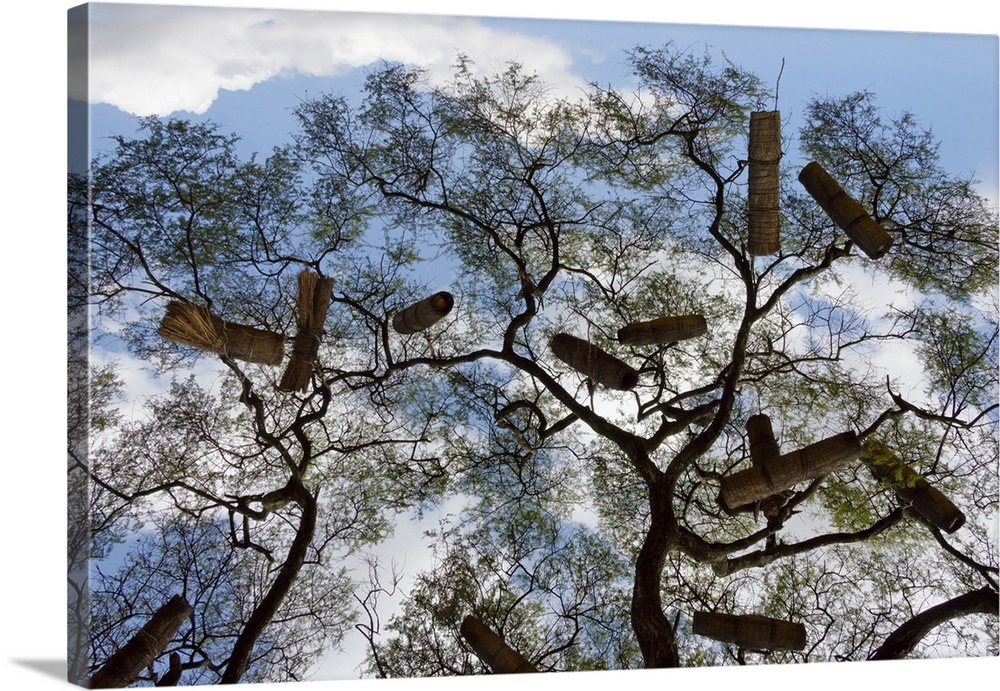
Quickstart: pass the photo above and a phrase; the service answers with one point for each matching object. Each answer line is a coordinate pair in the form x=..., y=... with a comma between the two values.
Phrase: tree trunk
x=268, y=607
x=140, y=651
x=903, y=640
x=652, y=629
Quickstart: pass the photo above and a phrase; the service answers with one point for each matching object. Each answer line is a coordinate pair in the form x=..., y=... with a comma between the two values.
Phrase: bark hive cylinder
x=760, y=434
x=750, y=631
x=194, y=325
x=764, y=449
x=913, y=488
x=492, y=650
x=845, y=211
x=590, y=360
x=424, y=314
x=663, y=330
x=138, y=653
x=764, y=153
x=768, y=478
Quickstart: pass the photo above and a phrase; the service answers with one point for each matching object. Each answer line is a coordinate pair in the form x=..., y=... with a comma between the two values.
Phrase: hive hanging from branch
x=663, y=330
x=144, y=647
x=194, y=325
x=750, y=631
x=590, y=360
x=492, y=650
x=423, y=314
x=315, y=292
x=764, y=449
x=781, y=473
x=764, y=153
x=912, y=487
x=760, y=434
x=845, y=211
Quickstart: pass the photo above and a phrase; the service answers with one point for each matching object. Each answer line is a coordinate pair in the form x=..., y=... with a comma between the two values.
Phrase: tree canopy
x=584, y=523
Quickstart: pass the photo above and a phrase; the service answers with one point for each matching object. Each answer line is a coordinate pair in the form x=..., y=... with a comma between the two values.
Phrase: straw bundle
x=845, y=211
x=913, y=488
x=781, y=473
x=590, y=360
x=423, y=314
x=492, y=650
x=762, y=178
x=313, y=304
x=751, y=631
x=663, y=330
x=196, y=326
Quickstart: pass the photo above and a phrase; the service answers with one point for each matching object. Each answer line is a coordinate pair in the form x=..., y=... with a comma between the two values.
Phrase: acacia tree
x=591, y=527
x=243, y=498
x=553, y=215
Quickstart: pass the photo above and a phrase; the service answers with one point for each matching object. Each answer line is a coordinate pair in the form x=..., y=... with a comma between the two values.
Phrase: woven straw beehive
x=845, y=211
x=750, y=631
x=764, y=153
x=781, y=473
x=913, y=488
x=663, y=330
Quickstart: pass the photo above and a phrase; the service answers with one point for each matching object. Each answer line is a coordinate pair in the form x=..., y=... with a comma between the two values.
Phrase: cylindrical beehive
x=423, y=314
x=663, y=330
x=146, y=645
x=781, y=473
x=845, y=211
x=913, y=488
x=492, y=650
x=751, y=631
x=196, y=326
x=764, y=152
x=590, y=360
x=763, y=445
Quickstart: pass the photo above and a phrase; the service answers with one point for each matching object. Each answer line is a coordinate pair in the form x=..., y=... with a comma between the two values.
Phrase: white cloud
x=154, y=60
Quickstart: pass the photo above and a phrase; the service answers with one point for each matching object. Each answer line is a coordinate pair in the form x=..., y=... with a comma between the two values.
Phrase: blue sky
x=34, y=118
x=246, y=68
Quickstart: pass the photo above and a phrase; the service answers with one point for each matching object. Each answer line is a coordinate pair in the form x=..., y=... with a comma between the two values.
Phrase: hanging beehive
x=781, y=473
x=912, y=487
x=492, y=650
x=760, y=434
x=590, y=360
x=315, y=292
x=423, y=314
x=764, y=449
x=139, y=652
x=763, y=193
x=750, y=631
x=194, y=325
x=845, y=211
x=663, y=330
